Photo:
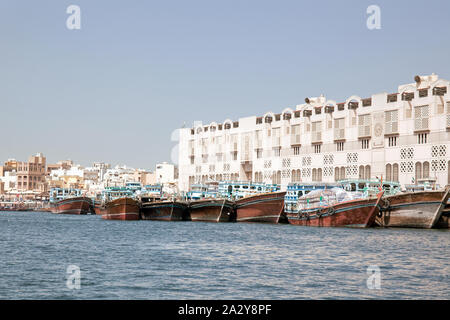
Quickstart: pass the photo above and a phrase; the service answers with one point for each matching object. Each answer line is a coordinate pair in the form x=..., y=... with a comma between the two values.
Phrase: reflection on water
x=194, y=260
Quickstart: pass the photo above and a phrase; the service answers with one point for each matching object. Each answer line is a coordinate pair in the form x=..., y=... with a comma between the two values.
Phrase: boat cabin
x=240, y=189
x=57, y=194
x=370, y=187
x=202, y=191
x=296, y=190
x=423, y=185
x=112, y=193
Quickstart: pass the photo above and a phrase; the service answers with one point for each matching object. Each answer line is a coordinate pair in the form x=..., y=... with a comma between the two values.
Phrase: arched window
x=336, y=174
x=389, y=172
x=426, y=170
x=293, y=175
x=361, y=172
x=319, y=174
x=342, y=174
x=367, y=172
x=418, y=171
x=448, y=168
x=395, y=172
x=314, y=175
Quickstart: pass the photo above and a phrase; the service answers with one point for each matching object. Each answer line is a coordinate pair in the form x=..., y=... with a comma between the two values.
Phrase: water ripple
x=187, y=260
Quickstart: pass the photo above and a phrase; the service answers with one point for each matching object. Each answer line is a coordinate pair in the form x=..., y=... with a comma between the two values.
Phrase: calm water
x=194, y=260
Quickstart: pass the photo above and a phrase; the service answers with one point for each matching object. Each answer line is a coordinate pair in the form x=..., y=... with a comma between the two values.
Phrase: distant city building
x=149, y=178
x=165, y=173
x=102, y=168
x=64, y=165
x=119, y=176
x=9, y=180
x=402, y=136
x=31, y=174
x=22, y=180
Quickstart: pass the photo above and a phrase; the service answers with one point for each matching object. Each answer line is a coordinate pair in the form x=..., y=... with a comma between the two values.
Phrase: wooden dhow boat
x=155, y=208
x=212, y=210
x=69, y=201
x=122, y=209
x=263, y=207
x=326, y=210
x=76, y=205
x=421, y=209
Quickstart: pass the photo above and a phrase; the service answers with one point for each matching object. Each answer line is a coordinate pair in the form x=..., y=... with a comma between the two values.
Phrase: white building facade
x=165, y=172
x=402, y=136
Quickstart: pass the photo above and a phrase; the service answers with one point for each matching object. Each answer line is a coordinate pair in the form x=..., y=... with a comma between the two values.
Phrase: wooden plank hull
x=99, y=210
x=122, y=209
x=421, y=209
x=360, y=213
x=78, y=205
x=211, y=210
x=444, y=220
x=164, y=211
x=267, y=207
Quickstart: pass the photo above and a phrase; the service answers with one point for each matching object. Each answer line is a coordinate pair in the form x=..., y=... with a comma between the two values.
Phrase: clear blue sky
x=116, y=89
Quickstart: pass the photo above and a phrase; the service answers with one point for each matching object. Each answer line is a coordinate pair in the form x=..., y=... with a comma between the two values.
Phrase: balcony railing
x=439, y=91
x=423, y=93
x=392, y=97
x=353, y=105
x=407, y=96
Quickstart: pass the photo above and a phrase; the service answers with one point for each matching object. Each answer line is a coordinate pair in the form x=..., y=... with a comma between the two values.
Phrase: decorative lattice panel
x=421, y=114
x=267, y=175
x=306, y=161
x=438, y=165
x=286, y=174
x=328, y=159
x=407, y=153
x=352, y=157
x=351, y=171
x=442, y=165
x=406, y=167
x=226, y=167
x=438, y=151
x=212, y=168
x=267, y=164
x=448, y=114
x=286, y=163
x=328, y=171
x=364, y=125
x=391, y=121
x=306, y=172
